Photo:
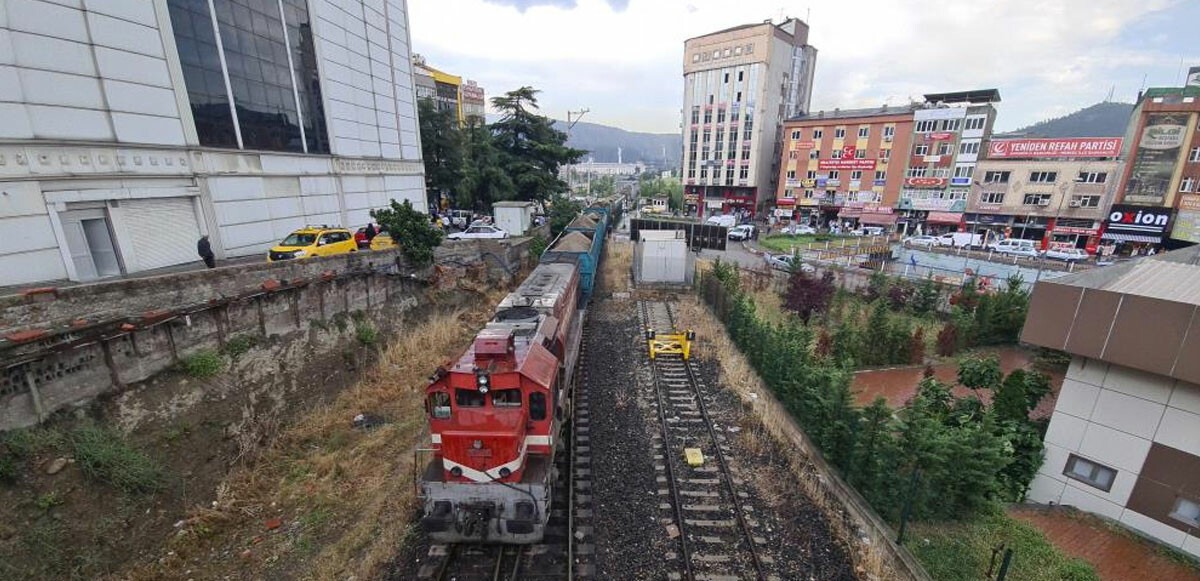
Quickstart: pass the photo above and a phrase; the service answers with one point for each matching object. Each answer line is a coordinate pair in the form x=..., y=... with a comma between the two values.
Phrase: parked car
x=460, y=218
x=1016, y=247
x=922, y=240
x=798, y=230
x=961, y=240
x=1066, y=254
x=723, y=220
x=743, y=232
x=479, y=231
x=382, y=241
x=313, y=241
x=786, y=262
x=869, y=231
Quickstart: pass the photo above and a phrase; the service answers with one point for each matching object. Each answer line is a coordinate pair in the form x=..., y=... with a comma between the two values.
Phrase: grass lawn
x=785, y=243
x=961, y=551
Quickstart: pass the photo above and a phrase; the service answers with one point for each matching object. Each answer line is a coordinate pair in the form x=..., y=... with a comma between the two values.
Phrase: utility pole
x=573, y=117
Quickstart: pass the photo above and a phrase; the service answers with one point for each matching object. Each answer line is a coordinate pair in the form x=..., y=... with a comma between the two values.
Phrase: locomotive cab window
x=506, y=398
x=468, y=398
x=537, y=406
x=439, y=405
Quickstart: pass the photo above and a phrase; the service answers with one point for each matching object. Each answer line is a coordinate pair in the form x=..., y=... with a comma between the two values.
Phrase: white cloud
x=626, y=65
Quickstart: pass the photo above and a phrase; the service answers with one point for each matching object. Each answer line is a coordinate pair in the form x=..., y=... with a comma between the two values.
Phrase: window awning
x=944, y=218
x=878, y=219
x=1115, y=237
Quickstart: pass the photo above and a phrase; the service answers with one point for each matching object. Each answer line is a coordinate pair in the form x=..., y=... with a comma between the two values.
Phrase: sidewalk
x=1116, y=555
x=185, y=267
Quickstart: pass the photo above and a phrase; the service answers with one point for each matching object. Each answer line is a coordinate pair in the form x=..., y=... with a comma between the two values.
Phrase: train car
x=581, y=243
x=495, y=415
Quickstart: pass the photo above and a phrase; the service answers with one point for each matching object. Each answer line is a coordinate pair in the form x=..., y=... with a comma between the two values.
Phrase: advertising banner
x=1035, y=148
x=941, y=136
x=1158, y=149
x=1136, y=223
x=925, y=182
x=1187, y=222
x=804, y=144
x=847, y=164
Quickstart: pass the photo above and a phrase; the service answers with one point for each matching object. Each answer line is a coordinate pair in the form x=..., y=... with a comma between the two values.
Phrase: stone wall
x=65, y=347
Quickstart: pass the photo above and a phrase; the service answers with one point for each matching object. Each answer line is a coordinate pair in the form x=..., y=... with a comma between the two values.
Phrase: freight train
x=497, y=413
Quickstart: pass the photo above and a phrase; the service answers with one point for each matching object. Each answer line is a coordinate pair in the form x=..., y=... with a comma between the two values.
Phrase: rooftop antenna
x=1111, y=90
x=1143, y=87
x=577, y=115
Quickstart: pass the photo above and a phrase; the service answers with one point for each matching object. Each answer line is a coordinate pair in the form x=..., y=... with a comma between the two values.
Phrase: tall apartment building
x=948, y=134
x=739, y=84
x=1055, y=191
x=128, y=128
x=838, y=166
x=443, y=88
x=474, y=103
x=1162, y=169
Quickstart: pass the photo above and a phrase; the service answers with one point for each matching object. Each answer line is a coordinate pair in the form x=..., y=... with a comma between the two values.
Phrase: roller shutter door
x=163, y=231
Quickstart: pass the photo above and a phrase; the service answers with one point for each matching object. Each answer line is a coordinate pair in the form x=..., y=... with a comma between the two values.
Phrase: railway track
x=703, y=507
x=566, y=551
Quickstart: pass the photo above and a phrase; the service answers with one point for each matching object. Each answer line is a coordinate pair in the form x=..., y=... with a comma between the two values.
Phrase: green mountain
x=1105, y=119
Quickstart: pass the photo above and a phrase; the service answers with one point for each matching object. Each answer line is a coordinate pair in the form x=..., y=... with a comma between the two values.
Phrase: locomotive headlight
x=456, y=472
x=505, y=472
x=481, y=379
x=477, y=444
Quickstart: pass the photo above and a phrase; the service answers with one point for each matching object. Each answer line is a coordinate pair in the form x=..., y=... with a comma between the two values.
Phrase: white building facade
x=739, y=85
x=129, y=128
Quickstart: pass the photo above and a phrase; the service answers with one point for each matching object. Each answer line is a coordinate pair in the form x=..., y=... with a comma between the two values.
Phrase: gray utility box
x=516, y=218
x=661, y=257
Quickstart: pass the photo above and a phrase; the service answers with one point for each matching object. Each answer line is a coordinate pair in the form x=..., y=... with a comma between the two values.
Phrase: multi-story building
x=442, y=87
x=739, y=83
x=838, y=166
x=129, y=128
x=1055, y=191
x=474, y=104
x=948, y=134
x=1162, y=170
x=1124, y=439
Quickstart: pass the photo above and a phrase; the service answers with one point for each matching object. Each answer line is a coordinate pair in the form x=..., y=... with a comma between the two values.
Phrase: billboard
x=1158, y=149
x=1187, y=222
x=851, y=164
x=1037, y=148
x=925, y=182
x=1136, y=223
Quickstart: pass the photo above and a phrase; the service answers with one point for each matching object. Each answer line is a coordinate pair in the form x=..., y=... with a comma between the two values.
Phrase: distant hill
x=1106, y=119
x=602, y=141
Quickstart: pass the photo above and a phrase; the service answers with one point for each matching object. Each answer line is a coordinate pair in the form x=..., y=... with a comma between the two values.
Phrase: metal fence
x=698, y=235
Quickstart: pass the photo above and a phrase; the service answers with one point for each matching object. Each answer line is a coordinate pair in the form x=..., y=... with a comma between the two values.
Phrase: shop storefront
x=1187, y=221
x=938, y=223
x=1073, y=233
x=1029, y=228
x=1136, y=229
x=992, y=227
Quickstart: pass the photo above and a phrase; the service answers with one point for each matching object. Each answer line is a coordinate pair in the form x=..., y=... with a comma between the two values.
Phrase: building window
x=695, y=115
x=818, y=133
x=728, y=51
x=814, y=154
x=696, y=58
x=1187, y=184
x=921, y=149
x=950, y=124
x=745, y=153
x=1085, y=201
x=860, y=154
x=916, y=172
x=744, y=173
x=812, y=175
x=885, y=154
x=1194, y=155
x=720, y=116
x=1037, y=199
x=839, y=133
x=793, y=154
x=1186, y=511
x=889, y=131
x=856, y=175
x=864, y=132
x=808, y=194
x=880, y=176
x=968, y=148
x=996, y=177
x=1092, y=177
x=975, y=123
x=833, y=175
x=749, y=48
x=837, y=154
x=703, y=172
x=1043, y=177
x=944, y=149
x=991, y=198
x=796, y=135
x=729, y=177
x=958, y=194
x=791, y=174
x=926, y=126
x=963, y=171
x=717, y=54
x=738, y=50
x=1090, y=473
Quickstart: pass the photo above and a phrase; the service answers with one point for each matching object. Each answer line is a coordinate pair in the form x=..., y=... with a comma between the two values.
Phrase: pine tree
x=947, y=340
x=874, y=470
x=531, y=149
x=1011, y=402
x=916, y=347
x=978, y=373
x=925, y=299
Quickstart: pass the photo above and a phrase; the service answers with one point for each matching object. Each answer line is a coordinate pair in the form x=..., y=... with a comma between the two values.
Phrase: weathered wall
x=67, y=347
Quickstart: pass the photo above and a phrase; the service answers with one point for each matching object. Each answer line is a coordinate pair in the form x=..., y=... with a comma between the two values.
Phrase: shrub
x=411, y=230
x=808, y=295
x=877, y=286
x=980, y=373
x=203, y=363
x=103, y=454
x=916, y=347
x=537, y=245
x=947, y=340
x=926, y=297
x=238, y=346
x=9, y=468
x=366, y=333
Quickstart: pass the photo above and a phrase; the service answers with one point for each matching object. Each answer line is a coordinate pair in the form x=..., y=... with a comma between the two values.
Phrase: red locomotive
x=496, y=413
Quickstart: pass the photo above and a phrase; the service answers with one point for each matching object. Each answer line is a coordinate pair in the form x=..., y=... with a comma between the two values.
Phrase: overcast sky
x=623, y=59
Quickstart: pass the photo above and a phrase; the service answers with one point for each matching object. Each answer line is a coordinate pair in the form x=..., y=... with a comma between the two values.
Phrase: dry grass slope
x=344, y=496
x=615, y=272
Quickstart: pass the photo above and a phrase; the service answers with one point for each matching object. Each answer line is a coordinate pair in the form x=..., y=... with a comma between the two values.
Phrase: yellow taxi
x=382, y=241
x=313, y=241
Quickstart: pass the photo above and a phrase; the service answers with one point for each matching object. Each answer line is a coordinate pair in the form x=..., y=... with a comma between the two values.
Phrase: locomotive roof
x=543, y=288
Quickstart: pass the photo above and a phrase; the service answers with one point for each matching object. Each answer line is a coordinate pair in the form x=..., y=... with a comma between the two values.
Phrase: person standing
x=371, y=232
x=204, y=249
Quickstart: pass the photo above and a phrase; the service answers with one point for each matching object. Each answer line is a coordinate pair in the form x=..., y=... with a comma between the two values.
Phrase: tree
x=947, y=340
x=562, y=211
x=980, y=373
x=1010, y=403
x=441, y=148
x=916, y=347
x=604, y=186
x=808, y=295
x=878, y=339
x=875, y=450
x=531, y=148
x=484, y=181
x=925, y=299
x=411, y=230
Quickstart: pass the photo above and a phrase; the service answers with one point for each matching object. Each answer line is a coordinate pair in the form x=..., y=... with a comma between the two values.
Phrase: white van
x=960, y=240
x=1016, y=247
x=724, y=220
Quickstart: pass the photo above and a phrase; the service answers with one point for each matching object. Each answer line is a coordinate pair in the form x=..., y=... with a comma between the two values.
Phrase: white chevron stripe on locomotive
x=493, y=473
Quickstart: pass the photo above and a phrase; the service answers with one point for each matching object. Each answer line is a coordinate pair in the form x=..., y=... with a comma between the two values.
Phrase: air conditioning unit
x=1044, y=202
x=1074, y=203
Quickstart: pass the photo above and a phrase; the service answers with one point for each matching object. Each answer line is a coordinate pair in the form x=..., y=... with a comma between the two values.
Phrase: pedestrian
x=204, y=249
x=371, y=232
